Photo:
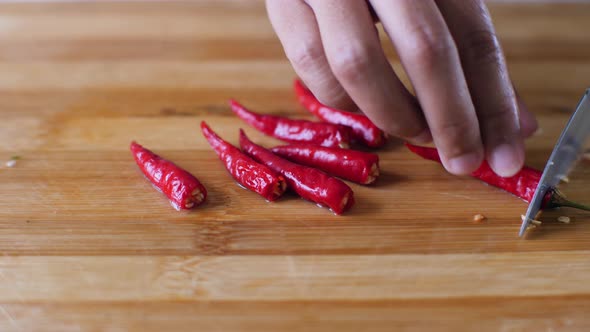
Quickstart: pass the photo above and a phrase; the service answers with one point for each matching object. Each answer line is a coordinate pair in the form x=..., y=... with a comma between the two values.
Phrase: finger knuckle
x=462, y=147
x=402, y=129
x=306, y=56
x=482, y=47
x=453, y=128
x=501, y=114
x=459, y=135
x=459, y=150
x=352, y=62
x=501, y=119
x=403, y=126
x=428, y=46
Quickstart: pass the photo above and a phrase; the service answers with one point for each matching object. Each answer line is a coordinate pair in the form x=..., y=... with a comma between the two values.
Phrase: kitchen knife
x=566, y=153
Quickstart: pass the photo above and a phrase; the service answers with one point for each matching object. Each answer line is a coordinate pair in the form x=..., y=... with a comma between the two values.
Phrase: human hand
x=465, y=101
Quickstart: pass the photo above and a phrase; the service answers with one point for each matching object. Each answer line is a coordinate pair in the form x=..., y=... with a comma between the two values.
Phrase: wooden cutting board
x=88, y=245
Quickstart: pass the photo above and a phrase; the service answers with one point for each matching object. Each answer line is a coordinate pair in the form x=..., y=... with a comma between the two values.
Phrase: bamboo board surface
x=88, y=245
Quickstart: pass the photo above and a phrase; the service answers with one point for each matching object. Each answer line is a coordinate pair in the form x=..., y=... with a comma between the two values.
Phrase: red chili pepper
x=523, y=184
x=250, y=174
x=309, y=183
x=356, y=166
x=292, y=130
x=182, y=188
x=363, y=130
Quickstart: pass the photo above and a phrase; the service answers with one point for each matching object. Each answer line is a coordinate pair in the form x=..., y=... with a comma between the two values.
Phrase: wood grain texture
x=88, y=245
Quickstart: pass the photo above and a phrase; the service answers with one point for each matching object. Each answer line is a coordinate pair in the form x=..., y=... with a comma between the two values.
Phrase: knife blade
x=565, y=154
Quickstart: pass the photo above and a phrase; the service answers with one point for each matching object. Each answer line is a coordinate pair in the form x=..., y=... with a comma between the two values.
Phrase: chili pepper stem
x=559, y=200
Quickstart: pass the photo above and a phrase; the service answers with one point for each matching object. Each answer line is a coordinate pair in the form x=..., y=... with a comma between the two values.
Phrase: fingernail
x=423, y=138
x=464, y=164
x=506, y=160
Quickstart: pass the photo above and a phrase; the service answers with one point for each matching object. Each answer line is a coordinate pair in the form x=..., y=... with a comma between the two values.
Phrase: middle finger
x=430, y=57
x=357, y=59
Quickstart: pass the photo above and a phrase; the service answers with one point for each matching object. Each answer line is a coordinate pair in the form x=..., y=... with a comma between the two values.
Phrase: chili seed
x=479, y=217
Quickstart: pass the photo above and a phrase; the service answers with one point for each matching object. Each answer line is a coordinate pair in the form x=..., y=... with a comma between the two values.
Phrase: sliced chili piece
x=357, y=166
x=309, y=183
x=252, y=175
x=363, y=130
x=523, y=184
x=295, y=130
x=182, y=188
